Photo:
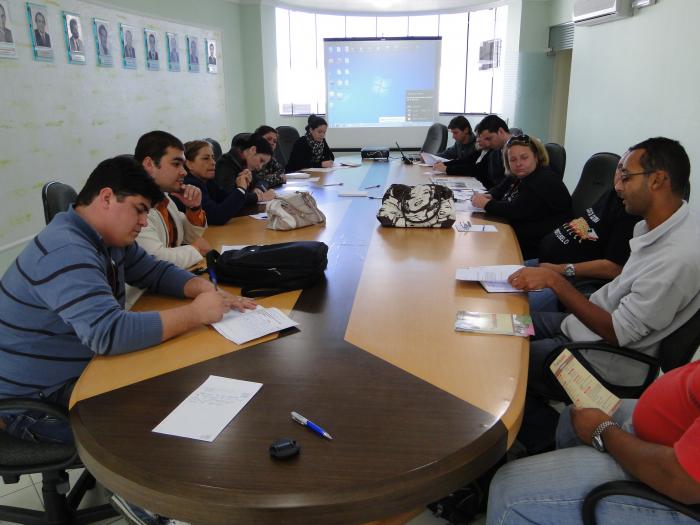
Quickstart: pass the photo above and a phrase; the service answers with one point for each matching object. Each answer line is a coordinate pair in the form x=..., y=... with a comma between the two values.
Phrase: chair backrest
x=436, y=139
x=679, y=348
x=57, y=197
x=286, y=137
x=597, y=177
x=515, y=131
x=557, y=158
x=216, y=147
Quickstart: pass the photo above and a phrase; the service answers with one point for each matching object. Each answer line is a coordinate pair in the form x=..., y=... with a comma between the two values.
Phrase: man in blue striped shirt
x=62, y=301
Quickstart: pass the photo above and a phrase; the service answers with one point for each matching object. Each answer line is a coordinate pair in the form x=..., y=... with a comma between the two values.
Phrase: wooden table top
x=416, y=409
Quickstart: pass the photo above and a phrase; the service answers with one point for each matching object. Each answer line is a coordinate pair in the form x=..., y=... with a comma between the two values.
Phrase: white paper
x=262, y=216
x=467, y=206
x=352, y=194
x=207, y=410
x=304, y=182
x=431, y=159
x=241, y=327
x=320, y=170
x=467, y=227
x=459, y=183
x=498, y=274
x=494, y=287
x=229, y=247
x=297, y=175
x=433, y=172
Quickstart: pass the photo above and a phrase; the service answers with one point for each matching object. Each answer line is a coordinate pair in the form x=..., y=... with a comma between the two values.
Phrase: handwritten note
x=207, y=410
x=241, y=327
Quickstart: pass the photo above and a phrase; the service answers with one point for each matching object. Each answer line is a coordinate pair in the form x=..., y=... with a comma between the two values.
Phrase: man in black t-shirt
x=590, y=250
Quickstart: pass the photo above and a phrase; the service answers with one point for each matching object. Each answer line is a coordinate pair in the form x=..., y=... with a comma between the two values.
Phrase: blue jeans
x=39, y=426
x=550, y=488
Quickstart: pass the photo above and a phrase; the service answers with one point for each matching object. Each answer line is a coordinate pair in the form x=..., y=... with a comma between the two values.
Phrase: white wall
x=633, y=79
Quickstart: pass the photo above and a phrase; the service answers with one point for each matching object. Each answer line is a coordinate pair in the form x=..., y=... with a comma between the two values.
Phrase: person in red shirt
x=655, y=439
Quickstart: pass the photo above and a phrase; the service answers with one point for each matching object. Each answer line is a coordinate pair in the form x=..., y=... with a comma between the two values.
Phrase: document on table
x=241, y=327
x=207, y=410
x=352, y=194
x=497, y=287
x=582, y=387
x=469, y=227
x=297, y=175
x=467, y=206
x=431, y=159
x=230, y=247
x=461, y=183
x=498, y=274
x=303, y=182
x=320, y=170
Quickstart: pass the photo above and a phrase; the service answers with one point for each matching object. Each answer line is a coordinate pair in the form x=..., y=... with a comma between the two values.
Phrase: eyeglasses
x=624, y=176
x=519, y=139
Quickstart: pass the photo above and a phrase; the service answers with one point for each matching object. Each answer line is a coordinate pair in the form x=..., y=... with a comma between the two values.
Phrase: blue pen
x=313, y=426
x=212, y=277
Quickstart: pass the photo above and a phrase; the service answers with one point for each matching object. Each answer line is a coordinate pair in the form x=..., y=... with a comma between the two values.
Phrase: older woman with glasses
x=533, y=199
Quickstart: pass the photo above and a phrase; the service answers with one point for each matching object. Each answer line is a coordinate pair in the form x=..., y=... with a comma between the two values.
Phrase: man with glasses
x=492, y=133
x=658, y=289
x=62, y=300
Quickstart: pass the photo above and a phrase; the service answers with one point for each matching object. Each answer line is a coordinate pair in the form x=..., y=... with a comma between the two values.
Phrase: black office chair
x=676, y=349
x=19, y=457
x=216, y=148
x=597, y=177
x=557, y=158
x=286, y=137
x=436, y=139
x=57, y=197
x=515, y=131
x=634, y=489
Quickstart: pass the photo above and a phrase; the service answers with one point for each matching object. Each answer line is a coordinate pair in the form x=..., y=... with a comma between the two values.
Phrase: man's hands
x=190, y=196
x=202, y=245
x=210, y=307
x=529, y=279
x=327, y=164
x=585, y=421
x=440, y=166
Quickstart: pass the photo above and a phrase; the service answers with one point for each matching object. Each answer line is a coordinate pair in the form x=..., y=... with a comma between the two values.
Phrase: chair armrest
x=21, y=403
x=575, y=348
x=634, y=489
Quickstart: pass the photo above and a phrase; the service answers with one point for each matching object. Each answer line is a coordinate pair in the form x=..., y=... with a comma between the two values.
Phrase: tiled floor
x=27, y=494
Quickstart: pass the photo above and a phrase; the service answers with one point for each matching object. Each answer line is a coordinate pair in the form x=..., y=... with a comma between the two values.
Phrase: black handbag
x=272, y=268
x=421, y=206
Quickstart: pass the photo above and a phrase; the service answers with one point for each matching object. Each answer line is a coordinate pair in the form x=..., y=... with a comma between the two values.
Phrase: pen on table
x=371, y=187
x=313, y=426
x=212, y=277
x=333, y=184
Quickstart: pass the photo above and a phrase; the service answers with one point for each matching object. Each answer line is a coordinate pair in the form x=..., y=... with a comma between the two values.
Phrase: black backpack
x=271, y=268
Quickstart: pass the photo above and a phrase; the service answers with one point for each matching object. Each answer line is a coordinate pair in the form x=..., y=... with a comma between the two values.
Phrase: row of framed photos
x=106, y=53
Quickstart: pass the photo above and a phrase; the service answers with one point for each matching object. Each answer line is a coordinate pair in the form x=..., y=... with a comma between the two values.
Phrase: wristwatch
x=597, y=437
x=569, y=270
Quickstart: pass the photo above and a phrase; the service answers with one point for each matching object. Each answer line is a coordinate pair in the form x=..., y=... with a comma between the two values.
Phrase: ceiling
x=375, y=6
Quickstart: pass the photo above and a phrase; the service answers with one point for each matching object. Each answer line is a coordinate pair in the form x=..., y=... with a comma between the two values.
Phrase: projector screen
x=381, y=82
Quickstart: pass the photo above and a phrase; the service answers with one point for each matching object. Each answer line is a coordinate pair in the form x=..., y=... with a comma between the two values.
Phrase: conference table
x=415, y=408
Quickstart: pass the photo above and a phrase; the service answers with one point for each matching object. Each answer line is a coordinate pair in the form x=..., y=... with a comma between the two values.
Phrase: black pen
x=370, y=187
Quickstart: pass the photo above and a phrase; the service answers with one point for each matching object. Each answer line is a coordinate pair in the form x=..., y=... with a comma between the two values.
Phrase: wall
x=58, y=120
x=633, y=79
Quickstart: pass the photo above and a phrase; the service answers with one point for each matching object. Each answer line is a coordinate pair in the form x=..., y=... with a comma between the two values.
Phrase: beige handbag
x=292, y=211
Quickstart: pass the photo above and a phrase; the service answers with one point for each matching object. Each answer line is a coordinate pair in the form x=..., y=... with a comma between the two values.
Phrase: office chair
x=286, y=137
x=557, y=158
x=216, y=147
x=634, y=489
x=676, y=349
x=436, y=139
x=19, y=457
x=57, y=197
x=597, y=177
x=515, y=131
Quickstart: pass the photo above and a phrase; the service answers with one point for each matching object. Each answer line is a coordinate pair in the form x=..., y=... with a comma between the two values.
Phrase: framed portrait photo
x=173, y=52
x=152, y=57
x=75, y=44
x=40, y=32
x=128, y=42
x=192, y=53
x=210, y=47
x=103, y=44
x=7, y=36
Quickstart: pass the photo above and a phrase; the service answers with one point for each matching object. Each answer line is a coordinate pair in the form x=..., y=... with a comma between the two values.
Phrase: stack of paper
x=492, y=278
x=431, y=159
x=241, y=327
x=487, y=323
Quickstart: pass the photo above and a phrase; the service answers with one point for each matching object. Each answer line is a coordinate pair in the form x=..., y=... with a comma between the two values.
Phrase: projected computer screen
x=379, y=82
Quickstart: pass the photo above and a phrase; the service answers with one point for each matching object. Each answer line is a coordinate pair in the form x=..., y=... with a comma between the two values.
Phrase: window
x=471, y=71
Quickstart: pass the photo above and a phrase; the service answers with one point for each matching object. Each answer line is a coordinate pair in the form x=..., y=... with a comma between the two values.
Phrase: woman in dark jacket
x=247, y=155
x=311, y=150
x=533, y=199
x=219, y=205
